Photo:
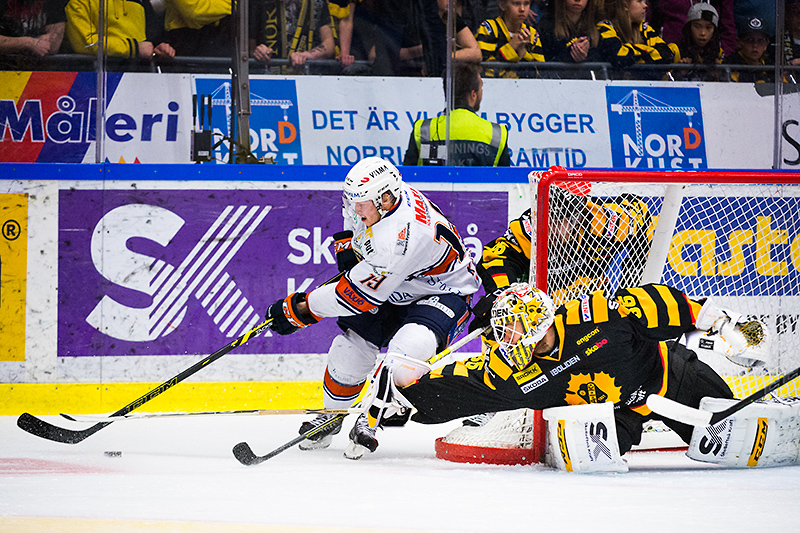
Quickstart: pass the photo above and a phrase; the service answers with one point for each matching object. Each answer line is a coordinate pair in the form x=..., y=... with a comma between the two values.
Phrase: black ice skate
x=362, y=439
x=322, y=439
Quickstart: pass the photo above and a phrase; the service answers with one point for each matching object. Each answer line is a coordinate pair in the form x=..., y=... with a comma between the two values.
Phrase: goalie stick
x=699, y=417
x=41, y=428
x=245, y=455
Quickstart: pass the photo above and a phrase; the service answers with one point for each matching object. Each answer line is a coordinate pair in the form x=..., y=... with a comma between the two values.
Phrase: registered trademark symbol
x=11, y=230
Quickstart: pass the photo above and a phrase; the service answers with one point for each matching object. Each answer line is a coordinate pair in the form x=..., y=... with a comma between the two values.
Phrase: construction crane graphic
x=222, y=96
x=630, y=103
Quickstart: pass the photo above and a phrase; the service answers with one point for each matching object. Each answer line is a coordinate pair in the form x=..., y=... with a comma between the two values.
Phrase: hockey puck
x=113, y=454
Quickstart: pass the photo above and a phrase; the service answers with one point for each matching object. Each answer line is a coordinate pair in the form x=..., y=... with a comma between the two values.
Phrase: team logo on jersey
x=401, y=246
x=527, y=374
x=595, y=387
x=656, y=127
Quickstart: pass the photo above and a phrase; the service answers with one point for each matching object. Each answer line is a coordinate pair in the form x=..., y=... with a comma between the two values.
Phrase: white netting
x=736, y=242
x=507, y=429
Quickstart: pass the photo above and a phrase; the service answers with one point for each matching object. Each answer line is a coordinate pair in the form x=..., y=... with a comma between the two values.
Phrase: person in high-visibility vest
x=474, y=141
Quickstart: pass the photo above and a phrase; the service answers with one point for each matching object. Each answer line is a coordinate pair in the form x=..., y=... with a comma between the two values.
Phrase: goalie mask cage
x=732, y=236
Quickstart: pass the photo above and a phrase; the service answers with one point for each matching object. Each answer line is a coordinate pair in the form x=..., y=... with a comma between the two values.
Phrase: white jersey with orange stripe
x=411, y=253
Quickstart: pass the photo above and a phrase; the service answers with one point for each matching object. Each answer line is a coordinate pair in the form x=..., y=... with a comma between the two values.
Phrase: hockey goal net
x=733, y=236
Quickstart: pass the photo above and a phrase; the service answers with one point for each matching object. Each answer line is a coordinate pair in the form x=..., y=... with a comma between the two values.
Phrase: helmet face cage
x=368, y=180
x=520, y=318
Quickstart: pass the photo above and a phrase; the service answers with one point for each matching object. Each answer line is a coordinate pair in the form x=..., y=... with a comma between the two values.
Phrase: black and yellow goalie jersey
x=507, y=259
x=606, y=350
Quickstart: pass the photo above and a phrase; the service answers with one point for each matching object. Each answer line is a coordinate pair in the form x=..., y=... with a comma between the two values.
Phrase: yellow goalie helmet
x=521, y=315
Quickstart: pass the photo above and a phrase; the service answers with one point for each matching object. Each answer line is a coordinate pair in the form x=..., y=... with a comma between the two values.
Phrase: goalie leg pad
x=760, y=435
x=583, y=438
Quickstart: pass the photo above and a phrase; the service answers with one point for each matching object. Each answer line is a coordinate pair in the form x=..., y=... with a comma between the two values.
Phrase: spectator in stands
x=199, y=28
x=474, y=141
x=29, y=30
x=295, y=30
x=568, y=31
x=668, y=17
x=699, y=44
x=625, y=37
x=342, y=27
x=383, y=35
x=474, y=12
x=792, y=33
x=126, y=23
x=753, y=44
x=433, y=33
x=509, y=39
x=746, y=10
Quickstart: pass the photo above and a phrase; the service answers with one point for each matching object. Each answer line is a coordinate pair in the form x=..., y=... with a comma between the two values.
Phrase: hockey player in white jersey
x=410, y=293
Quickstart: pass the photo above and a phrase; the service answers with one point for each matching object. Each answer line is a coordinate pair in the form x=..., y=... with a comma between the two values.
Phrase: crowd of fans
x=510, y=38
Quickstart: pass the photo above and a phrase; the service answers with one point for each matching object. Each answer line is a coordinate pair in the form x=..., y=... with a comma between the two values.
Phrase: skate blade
x=355, y=451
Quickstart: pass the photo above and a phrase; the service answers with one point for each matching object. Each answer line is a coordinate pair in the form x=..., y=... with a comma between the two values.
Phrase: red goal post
x=733, y=236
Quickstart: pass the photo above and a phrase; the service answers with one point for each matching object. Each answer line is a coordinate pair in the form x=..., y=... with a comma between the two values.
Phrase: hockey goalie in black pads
x=589, y=350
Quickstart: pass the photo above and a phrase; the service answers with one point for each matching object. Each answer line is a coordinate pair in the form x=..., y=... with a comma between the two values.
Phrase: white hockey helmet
x=368, y=180
x=521, y=316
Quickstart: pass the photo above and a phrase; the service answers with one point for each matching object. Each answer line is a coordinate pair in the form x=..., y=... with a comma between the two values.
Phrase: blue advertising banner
x=274, y=118
x=656, y=127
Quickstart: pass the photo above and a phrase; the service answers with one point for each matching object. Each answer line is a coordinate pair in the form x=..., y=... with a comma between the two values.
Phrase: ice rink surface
x=178, y=474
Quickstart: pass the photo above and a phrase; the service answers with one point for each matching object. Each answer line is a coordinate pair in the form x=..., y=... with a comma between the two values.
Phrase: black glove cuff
x=343, y=247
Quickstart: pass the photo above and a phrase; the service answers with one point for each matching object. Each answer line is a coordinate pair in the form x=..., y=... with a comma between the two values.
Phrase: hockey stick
x=699, y=417
x=257, y=412
x=46, y=430
x=245, y=455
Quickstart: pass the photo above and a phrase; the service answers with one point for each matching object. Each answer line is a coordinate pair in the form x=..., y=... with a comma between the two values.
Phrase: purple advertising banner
x=173, y=272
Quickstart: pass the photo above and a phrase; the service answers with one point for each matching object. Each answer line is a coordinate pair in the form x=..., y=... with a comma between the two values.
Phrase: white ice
x=180, y=471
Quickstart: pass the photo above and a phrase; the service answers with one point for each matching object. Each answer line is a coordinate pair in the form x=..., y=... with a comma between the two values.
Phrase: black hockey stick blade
x=46, y=430
x=245, y=455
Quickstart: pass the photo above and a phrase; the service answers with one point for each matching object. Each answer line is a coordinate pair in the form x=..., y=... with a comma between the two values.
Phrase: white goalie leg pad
x=760, y=435
x=583, y=438
x=407, y=351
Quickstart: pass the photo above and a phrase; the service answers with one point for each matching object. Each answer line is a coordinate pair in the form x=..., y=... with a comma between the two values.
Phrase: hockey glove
x=343, y=247
x=286, y=317
x=744, y=342
x=483, y=311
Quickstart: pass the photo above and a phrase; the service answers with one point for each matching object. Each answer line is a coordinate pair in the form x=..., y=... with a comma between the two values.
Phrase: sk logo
x=201, y=274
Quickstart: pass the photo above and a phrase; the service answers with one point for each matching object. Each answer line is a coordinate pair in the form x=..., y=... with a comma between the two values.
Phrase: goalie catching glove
x=286, y=315
x=744, y=342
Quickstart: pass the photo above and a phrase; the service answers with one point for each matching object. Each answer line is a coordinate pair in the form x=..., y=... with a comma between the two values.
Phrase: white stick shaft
x=677, y=411
x=456, y=345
